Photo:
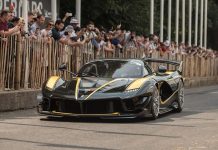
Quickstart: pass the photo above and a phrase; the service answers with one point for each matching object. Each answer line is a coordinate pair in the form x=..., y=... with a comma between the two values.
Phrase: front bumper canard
x=114, y=115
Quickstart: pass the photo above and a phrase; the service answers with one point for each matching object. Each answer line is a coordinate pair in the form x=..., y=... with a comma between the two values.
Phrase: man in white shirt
x=38, y=24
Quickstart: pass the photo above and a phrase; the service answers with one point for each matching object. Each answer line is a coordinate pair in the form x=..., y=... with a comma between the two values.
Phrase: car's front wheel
x=180, y=97
x=155, y=103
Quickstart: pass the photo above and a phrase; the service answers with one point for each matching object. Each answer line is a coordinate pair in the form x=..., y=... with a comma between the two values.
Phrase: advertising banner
x=41, y=6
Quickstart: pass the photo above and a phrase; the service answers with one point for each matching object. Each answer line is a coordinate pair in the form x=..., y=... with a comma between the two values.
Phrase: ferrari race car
x=125, y=88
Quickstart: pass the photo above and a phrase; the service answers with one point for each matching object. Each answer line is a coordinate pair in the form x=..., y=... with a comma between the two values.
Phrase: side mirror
x=162, y=69
x=62, y=67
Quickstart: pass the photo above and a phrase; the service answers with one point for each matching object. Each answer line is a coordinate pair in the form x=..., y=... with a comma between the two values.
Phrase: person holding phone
x=67, y=15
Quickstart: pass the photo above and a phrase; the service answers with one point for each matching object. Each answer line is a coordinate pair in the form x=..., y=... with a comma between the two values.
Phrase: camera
x=82, y=38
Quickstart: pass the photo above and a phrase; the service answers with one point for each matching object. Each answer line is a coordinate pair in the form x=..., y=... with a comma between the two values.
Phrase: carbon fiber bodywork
x=90, y=96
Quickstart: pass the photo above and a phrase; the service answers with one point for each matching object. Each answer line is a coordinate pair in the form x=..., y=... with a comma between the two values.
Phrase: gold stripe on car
x=77, y=87
x=102, y=87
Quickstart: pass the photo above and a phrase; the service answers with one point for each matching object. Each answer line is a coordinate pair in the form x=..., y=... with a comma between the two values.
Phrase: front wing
x=119, y=108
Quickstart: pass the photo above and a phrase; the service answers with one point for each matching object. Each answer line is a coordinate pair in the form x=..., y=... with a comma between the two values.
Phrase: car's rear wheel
x=155, y=104
x=180, y=97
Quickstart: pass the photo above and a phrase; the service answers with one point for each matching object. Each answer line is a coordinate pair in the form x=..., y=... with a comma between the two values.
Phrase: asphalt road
x=196, y=128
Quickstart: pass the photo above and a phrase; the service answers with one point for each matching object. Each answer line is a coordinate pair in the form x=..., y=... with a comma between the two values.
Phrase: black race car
x=127, y=88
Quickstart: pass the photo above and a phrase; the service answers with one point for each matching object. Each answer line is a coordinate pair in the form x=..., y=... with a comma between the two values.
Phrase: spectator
x=37, y=34
x=131, y=40
x=22, y=25
x=108, y=46
x=13, y=22
x=77, y=32
x=11, y=15
x=74, y=22
x=145, y=44
x=38, y=24
x=31, y=20
x=47, y=31
x=66, y=16
x=118, y=38
x=90, y=31
x=59, y=25
x=67, y=37
x=182, y=49
x=4, y=30
x=92, y=36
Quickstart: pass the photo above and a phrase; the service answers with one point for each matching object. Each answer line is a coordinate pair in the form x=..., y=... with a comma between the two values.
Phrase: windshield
x=113, y=69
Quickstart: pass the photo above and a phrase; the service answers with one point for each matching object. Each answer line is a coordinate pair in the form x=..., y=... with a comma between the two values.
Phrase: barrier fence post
x=78, y=59
x=2, y=59
x=49, y=57
x=192, y=69
x=216, y=68
x=26, y=75
x=1, y=69
x=18, y=63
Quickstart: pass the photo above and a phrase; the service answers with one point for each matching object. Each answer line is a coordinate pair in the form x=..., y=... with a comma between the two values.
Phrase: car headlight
x=52, y=82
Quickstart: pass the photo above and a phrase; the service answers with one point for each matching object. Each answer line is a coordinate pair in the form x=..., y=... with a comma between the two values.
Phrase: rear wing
x=176, y=63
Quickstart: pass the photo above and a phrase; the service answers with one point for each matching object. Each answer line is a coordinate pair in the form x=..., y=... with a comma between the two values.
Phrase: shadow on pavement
x=167, y=117
x=32, y=114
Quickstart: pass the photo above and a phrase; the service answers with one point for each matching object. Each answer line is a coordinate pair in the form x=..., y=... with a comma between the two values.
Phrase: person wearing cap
x=67, y=37
x=72, y=30
x=78, y=32
x=68, y=32
x=74, y=22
